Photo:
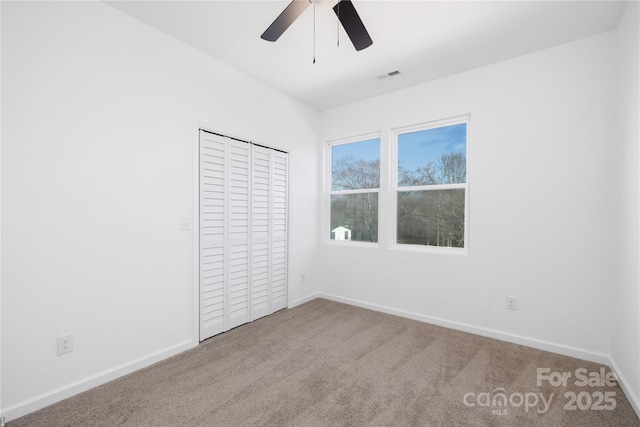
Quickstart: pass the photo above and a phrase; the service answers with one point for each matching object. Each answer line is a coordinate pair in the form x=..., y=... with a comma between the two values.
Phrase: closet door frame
x=196, y=127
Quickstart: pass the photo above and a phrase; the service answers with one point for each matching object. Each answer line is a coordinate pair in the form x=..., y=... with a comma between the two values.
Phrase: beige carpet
x=329, y=364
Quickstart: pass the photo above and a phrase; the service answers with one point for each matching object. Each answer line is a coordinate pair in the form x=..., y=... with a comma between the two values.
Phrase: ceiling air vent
x=390, y=74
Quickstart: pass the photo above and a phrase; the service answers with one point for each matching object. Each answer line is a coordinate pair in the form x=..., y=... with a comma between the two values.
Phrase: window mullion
x=358, y=191
x=432, y=187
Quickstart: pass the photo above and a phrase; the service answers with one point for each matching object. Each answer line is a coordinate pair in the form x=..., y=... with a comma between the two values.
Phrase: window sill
x=351, y=244
x=437, y=250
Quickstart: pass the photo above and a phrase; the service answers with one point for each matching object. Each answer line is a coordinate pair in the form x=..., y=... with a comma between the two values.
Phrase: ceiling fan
x=344, y=9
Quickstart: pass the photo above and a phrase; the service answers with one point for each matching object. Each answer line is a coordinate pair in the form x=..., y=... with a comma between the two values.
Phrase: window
x=431, y=184
x=354, y=186
x=424, y=183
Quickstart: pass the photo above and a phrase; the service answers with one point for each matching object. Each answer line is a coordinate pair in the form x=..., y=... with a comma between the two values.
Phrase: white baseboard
x=302, y=300
x=41, y=401
x=624, y=384
x=565, y=350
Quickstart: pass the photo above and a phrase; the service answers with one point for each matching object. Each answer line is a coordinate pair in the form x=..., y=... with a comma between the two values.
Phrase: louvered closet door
x=260, y=232
x=212, y=234
x=238, y=211
x=243, y=233
x=278, y=262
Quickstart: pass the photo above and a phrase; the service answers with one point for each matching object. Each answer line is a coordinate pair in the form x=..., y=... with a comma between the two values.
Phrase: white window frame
x=329, y=192
x=395, y=189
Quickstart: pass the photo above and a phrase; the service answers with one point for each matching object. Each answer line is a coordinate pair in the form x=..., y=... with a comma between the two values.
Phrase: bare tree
x=426, y=217
x=350, y=173
x=452, y=168
x=433, y=217
x=357, y=212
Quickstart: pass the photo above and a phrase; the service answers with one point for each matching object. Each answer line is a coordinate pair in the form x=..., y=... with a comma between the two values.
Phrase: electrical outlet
x=512, y=303
x=303, y=278
x=65, y=344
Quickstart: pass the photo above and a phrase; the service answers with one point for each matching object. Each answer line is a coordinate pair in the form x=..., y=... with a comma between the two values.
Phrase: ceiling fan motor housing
x=327, y=4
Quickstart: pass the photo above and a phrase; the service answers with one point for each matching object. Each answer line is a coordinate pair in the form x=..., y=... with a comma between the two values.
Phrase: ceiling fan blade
x=352, y=24
x=285, y=19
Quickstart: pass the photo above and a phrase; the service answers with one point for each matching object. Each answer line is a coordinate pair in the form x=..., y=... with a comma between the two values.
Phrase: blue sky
x=415, y=149
x=365, y=150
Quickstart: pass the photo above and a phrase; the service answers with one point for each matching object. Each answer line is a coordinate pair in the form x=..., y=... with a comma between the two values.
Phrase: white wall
x=98, y=115
x=542, y=220
x=625, y=331
x=0, y=216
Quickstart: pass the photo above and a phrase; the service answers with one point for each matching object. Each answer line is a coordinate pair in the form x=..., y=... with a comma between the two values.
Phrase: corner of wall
x=631, y=395
x=625, y=315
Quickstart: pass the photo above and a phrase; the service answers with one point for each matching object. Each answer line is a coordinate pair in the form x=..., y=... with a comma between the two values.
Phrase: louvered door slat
x=212, y=235
x=238, y=211
x=260, y=236
x=278, y=231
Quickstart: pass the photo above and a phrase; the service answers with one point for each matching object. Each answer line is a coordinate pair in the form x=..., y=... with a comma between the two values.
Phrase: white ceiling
x=424, y=40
